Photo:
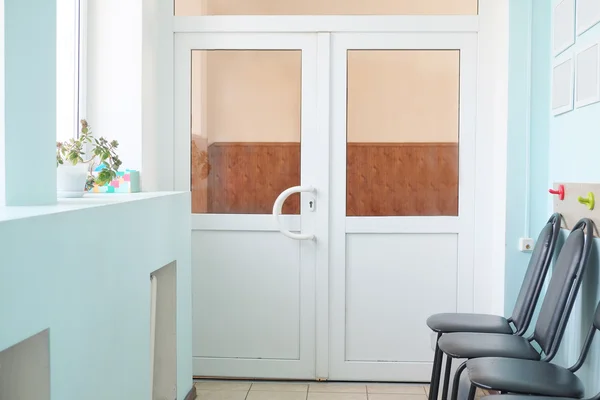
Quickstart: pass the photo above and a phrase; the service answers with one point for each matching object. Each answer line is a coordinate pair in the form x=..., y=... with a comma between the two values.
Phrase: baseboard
x=191, y=394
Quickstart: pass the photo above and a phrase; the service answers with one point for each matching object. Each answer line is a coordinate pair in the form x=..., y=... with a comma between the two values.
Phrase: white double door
x=378, y=132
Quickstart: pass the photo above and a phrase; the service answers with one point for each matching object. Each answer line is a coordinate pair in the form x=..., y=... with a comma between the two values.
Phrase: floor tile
x=336, y=396
x=337, y=388
x=396, y=396
x=272, y=395
x=279, y=387
x=220, y=395
x=223, y=385
x=403, y=389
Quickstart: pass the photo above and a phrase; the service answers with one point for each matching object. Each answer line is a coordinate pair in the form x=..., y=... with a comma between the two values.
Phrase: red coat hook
x=560, y=192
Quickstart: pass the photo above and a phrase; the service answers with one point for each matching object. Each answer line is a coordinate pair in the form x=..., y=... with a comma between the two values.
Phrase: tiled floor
x=241, y=390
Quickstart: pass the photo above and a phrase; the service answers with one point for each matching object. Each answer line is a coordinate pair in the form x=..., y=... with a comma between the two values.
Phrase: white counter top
x=89, y=200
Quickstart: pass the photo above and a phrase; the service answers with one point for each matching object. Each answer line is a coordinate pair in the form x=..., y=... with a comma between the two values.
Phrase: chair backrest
x=539, y=264
x=564, y=285
x=587, y=345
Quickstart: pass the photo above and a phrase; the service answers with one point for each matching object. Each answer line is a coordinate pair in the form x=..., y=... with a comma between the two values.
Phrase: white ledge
x=325, y=23
x=89, y=200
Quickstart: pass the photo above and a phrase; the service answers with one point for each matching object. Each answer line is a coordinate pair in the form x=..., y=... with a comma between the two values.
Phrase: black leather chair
x=483, y=323
x=531, y=377
x=564, y=285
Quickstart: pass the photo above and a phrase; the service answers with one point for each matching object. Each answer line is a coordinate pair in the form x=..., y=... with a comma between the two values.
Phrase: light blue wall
x=563, y=148
x=574, y=155
x=30, y=102
x=526, y=15
x=85, y=274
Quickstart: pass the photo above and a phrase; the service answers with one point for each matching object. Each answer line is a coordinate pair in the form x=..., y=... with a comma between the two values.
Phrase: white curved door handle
x=279, y=205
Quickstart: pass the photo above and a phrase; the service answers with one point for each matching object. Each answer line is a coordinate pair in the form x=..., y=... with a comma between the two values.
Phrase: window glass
x=325, y=7
x=402, y=132
x=245, y=139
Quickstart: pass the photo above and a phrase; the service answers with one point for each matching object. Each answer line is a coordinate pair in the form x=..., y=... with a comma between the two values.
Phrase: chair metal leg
x=456, y=381
x=472, y=391
x=447, y=373
x=436, y=371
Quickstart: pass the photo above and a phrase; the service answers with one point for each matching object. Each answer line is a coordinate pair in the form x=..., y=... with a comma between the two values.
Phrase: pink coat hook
x=560, y=192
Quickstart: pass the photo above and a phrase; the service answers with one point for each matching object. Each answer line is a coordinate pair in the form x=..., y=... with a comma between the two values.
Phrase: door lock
x=312, y=204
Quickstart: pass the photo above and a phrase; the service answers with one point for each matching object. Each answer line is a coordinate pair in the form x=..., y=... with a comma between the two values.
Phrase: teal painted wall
x=91, y=287
x=30, y=102
x=563, y=148
x=529, y=30
x=573, y=155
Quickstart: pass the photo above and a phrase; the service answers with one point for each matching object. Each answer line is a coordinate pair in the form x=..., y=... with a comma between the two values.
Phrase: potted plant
x=77, y=158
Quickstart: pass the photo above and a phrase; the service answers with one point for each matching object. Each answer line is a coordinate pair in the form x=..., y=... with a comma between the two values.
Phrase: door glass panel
x=402, y=132
x=325, y=7
x=246, y=107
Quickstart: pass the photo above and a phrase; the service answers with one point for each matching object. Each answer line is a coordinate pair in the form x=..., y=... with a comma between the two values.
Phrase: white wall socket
x=525, y=245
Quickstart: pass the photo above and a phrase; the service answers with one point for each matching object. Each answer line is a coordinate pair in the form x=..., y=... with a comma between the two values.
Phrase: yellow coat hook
x=589, y=201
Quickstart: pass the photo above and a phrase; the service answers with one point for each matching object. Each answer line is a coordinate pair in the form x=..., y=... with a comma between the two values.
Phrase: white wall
x=114, y=75
x=130, y=88
x=165, y=343
x=2, y=124
x=157, y=94
x=492, y=93
x=24, y=363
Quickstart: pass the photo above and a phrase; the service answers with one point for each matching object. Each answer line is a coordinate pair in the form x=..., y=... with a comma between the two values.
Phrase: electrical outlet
x=525, y=245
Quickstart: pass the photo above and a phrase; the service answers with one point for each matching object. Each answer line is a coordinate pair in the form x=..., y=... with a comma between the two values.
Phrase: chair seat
x=476, y=345
x=521, y=397
x=455, y=322
x=525, y=376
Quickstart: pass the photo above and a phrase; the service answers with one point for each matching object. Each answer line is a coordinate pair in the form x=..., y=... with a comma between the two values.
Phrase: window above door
x=325, y=7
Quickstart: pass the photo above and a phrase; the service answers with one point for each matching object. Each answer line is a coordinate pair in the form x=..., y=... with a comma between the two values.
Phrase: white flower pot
x=70, y=180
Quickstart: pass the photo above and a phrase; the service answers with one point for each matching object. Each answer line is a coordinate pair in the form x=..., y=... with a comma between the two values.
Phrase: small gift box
x=127, y=181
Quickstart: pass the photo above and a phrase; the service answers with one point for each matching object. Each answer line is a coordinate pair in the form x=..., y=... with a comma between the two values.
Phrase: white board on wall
x=587, y=76
x=563, y=22
x=588, y=14
x=562, y=87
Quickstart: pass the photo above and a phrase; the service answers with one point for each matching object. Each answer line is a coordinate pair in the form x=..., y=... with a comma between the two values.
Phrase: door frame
x=492, y=27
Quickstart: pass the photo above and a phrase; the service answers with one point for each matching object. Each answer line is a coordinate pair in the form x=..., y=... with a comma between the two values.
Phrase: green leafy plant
x=99, y=152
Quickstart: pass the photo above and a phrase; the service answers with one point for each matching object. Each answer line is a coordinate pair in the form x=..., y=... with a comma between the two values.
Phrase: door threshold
x=237, y=378
x=242, y=379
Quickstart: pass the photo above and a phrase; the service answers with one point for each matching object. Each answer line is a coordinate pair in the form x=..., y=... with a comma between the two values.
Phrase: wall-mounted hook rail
x=575, y=195
x=589, y=201
x=560, y=192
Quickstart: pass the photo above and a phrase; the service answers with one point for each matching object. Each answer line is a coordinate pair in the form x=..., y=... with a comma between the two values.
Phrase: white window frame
x=79, y=25
x=82, y=61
